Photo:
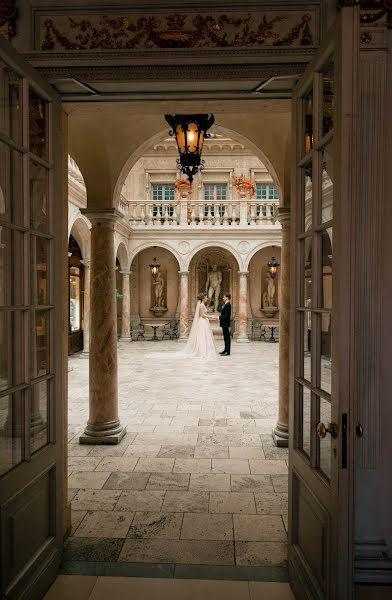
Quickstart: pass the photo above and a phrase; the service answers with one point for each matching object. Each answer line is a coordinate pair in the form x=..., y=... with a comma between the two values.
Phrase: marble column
x=280, y=433
x=184, y=306
x=86, y=310
x=126, y=307
x=243, y=307
x=103, y=426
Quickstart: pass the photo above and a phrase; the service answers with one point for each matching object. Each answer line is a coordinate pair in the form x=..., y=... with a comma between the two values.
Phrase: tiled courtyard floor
x=197, y=479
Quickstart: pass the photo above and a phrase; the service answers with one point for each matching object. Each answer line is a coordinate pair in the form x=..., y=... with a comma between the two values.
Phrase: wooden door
x=32, y=329
x=321, y=458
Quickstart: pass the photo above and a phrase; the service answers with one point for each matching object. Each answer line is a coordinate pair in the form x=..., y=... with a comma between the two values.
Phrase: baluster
x=234, y=215
x=209, y=215
x=174, y=215
x=268, y=212
x=252, y=214
x=142, y=214
x=225, y=219
x=259, y=214
x=192, y=220
x=132, y=215
x=150, y=219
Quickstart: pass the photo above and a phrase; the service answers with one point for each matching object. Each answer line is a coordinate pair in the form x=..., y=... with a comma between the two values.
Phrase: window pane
x=307, y=272
x=38, y=197
x=11, y=186
x=10, y=99
x=306, y=419
x=39, y=416
x=325, y=443
x=11, y=431
x=326, y=184
x=307, y=354
x=308, y=197
x=308, y=117
x=38, y=134
x=11, y=267
x=221, y=192
x=6, y=350
x=74, y=298
x=328, y=96
x=326, y=253
x=39, y=266
x=40, y=341
x=326, y=347
x=209, y=192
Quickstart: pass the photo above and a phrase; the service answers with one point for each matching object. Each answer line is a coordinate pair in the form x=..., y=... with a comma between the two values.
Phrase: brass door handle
x=322, y=430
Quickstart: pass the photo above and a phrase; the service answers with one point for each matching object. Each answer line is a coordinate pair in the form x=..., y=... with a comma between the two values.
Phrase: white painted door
x=321, y=470
x=32, y=329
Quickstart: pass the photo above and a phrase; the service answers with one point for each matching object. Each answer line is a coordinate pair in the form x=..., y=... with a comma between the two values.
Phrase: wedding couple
x=201, y=339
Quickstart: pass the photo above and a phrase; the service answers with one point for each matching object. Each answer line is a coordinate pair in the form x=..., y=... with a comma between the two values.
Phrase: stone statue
x=159, y=285
x=213, y=285
x=270, y=292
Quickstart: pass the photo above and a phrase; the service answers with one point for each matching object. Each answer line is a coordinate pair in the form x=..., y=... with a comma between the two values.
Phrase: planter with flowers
x=244, y=187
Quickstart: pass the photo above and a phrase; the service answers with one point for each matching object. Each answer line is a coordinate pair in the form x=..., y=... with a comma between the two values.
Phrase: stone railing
x=229, y=213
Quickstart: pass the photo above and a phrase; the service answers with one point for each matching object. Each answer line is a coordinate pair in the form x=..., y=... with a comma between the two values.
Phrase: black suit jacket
x=225, y=316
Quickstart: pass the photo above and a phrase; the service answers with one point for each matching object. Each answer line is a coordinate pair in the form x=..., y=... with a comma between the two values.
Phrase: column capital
x=125, y=272
x=283, y=216
x=86, y=262
x=183, y=273
x=102, y=215
x=243, y=273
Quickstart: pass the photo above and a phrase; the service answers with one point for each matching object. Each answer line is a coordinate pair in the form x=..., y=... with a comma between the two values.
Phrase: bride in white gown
x=200, y=343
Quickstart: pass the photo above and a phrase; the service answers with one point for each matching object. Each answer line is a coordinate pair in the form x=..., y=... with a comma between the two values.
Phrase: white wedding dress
x=200, y=343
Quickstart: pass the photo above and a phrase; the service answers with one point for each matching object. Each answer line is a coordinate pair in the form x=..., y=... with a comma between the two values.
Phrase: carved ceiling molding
x=8, y=14
x=283, y=27
x=171, y=72
x=377, y=13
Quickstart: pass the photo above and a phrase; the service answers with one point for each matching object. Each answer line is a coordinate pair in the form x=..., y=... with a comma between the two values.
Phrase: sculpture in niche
x=158, y=295
x=268, y=307
x=213, y=285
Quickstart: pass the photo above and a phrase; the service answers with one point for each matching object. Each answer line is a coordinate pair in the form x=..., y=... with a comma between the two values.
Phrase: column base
x=84, y=354
x=243, y=340
x=125, y=339
x=106, y=433
x=280, y=435
x=182, y=340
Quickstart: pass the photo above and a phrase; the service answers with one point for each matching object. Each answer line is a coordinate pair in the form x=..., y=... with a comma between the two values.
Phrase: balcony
x=200, y=214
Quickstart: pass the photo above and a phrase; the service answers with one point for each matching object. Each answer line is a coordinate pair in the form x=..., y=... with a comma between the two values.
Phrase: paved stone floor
x=197, y=479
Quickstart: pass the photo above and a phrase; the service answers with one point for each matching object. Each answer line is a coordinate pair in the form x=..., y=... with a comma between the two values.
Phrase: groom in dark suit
x=224, y=321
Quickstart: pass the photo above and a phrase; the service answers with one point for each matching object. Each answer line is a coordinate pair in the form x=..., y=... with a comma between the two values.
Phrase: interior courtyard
x=127, y=467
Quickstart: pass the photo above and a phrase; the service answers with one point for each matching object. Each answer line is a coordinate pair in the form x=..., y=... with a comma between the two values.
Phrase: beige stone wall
x=169, y=268
x=256, y=279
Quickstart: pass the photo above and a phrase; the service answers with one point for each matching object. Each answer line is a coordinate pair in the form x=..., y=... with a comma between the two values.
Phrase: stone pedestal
x=280, y=433
x=243, y=308
x=86, y=310
x=103, y=426
x=126, y=308
x=184, y=306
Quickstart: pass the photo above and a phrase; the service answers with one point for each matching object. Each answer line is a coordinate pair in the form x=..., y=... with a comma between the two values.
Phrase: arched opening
x=76, y=296
x=264, y=294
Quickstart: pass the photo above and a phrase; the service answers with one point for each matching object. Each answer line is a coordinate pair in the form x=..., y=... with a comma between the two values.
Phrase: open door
x=32, y=291
x=321, y=457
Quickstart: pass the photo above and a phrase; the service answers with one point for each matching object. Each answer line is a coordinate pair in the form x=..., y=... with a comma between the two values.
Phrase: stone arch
x=265, y=244
x=80, y=229
x=121, y=252
x=215, y=244
x=141, y=150
x=159, y=244
x=257, y=267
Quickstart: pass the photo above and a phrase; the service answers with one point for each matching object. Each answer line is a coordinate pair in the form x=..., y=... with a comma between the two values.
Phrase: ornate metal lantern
x=154, y=266
x=273, y=265
x=190, y=132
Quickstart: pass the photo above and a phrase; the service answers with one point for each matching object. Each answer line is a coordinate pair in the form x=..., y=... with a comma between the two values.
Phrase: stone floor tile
x=140, y=450
x=88, y=479
x=119, y=480
x=85, y=463
x=105, y=524
x=156, y=525
x=211, y=452
x=168, y=481
x=140, y=501
x=158, y=465
x=192, y=465
x=77, y=517
x=196, y=552
x=273, y=452
x=259, y=528
x=246, y=452
x=232, y=502
x=166, y=439
x=230, y=465
x=207, y=527
x=117, y=463
x=109, y=449
x=260, y=590
x=92, y=549
x=176, y=452
x=95, y=499
x=260, y=554
x=268, y=467
x=206, y=482
x=280, y=483
x=268, y=503
x=193, y=501
x=79, y=450
x=71, y=494
x=251, y=483
x=71, y=586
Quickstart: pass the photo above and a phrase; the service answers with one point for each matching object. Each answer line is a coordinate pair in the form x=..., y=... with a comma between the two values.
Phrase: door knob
x=322, y=430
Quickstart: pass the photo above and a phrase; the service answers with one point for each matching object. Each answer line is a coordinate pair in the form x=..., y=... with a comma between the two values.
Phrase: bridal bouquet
x=241, y=184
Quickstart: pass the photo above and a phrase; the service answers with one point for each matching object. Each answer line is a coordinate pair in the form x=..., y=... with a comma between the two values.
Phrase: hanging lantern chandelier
x=273, y=265
x=154, y=266
x=190, y=132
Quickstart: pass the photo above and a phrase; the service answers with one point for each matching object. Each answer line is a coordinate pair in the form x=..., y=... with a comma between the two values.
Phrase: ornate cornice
x=372, y=12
